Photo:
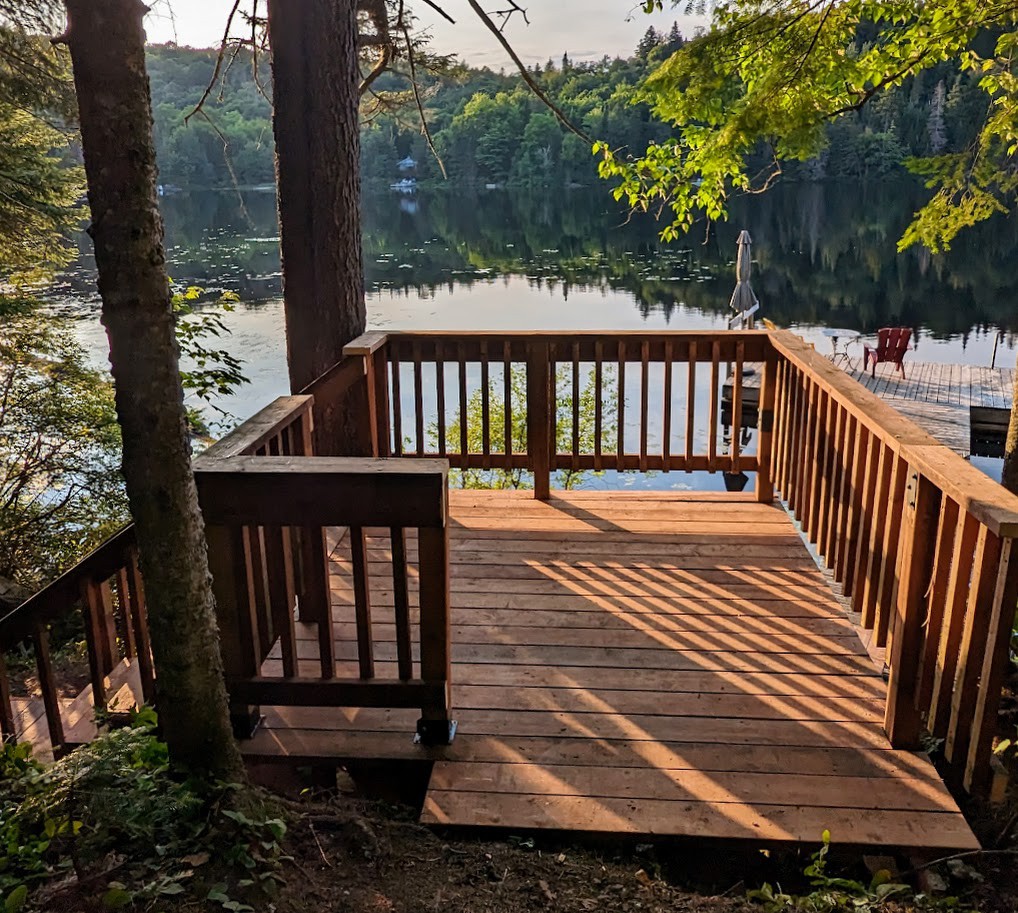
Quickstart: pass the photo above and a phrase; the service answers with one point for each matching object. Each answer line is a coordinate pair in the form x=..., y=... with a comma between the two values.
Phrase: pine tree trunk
x=1009, y=475
x=315, y=121
x=107, y=41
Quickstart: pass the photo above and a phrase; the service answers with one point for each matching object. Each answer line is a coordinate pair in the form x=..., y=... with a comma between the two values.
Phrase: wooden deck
x=947, y=401
x=669, y=664
x=965, y=407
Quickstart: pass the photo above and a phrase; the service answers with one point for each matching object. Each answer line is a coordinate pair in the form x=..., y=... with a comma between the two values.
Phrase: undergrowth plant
x=832, y=894
x=112, y=824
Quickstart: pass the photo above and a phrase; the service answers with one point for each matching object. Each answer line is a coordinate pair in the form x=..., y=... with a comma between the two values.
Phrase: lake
x=824, y=256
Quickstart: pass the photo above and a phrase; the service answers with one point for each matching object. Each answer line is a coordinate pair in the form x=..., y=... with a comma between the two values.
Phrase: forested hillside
x=488, y=127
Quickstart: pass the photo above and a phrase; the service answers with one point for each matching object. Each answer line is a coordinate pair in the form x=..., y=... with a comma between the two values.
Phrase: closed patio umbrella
x=744, y=301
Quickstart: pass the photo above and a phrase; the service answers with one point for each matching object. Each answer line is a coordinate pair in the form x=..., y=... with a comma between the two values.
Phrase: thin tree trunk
x=107, y=44
x=1009, y=476
x=315, y=121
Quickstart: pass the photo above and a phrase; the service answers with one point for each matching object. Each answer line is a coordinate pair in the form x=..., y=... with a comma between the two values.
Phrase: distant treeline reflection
x=825, y=253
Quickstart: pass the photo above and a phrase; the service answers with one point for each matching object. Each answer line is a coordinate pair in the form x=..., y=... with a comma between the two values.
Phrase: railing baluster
x=379, y=366
x=621, y=446
x=889, y=564
x=644, y=401
x=902, y=719
x=540, y=421
x=835, y=464
x=865, y=522
x=978, y=615
x=401, y=603
x=848, y=532
x=779, y=459
x=765, y=417
x=282, y=593
x=712, y=421
x=397, y=406
x=818, y=413
x=99, y=665
x=947, y=524
x=666, y=433
x=576, y=406
x=362, y=602
x=994, y=667
x=262, y=597
x=690, y=441
x=736, y=447
x=507, y=405
x=125, y=629
x=485, y=409
x=139, y=615
x=440, y=395
x=8, y=731
x=965, y=535
x=464, y=419
x=48, y=686
x=418, y=400
x=881, y=497
x=598, y=403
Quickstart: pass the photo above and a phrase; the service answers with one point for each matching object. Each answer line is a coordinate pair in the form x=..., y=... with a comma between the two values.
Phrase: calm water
x=824, y=257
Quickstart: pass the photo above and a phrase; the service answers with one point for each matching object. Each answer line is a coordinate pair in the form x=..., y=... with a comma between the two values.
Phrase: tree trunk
x=315, y=121
x=107, y=44
x=1009, y=475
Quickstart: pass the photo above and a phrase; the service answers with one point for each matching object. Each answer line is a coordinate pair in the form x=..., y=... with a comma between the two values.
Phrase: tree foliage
x=762, y=85
x=60, y=488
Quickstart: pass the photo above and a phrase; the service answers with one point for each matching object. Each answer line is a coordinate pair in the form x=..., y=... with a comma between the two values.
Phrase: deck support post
x=902, y=718
x=435, y=726
x=765, y=426
x=540, y=439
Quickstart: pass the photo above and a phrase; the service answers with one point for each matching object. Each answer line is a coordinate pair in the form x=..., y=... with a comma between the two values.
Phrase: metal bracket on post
x=912, y=489
x=245, y=721
x=435, y=732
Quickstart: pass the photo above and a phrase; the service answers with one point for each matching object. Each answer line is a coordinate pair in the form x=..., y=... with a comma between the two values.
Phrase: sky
x=586, y=29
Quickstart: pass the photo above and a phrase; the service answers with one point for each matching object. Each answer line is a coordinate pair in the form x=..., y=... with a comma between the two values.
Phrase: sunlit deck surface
x=637, y=663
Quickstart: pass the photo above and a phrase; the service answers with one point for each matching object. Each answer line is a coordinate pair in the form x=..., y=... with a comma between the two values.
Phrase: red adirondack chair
x=892, y=344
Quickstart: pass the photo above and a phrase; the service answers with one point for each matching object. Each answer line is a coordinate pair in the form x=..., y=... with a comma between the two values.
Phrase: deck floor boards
x=642, y=664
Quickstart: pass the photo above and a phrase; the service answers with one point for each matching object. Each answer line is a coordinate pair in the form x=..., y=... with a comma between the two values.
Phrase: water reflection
x=825, y=256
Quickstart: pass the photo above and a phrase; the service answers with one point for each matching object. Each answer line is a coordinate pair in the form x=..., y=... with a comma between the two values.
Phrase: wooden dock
x=653, y=664
x=965, y=407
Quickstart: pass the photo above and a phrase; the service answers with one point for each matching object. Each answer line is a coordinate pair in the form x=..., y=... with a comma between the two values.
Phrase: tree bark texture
x=315, y=121
x=107, y=44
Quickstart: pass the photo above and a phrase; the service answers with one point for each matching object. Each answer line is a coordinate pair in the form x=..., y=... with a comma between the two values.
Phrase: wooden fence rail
x=267, y=516
x=545, y=402
x=921, y=542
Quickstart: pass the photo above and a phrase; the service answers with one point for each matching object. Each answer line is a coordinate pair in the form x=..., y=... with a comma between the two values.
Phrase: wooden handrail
x=409, y=375
x=919, y=539
x=106, y=586
x=989, y=502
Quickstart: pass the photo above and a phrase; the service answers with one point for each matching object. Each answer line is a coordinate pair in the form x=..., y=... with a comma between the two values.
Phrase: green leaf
x=116, y=897
x=16, y=900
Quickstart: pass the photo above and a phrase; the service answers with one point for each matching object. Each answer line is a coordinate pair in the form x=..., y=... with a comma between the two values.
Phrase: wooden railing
x=921, y=542
x=268, y=504
x=106, y=589
x=545, y=402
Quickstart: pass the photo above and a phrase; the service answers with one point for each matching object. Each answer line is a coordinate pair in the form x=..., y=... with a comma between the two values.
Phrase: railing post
x=435, y=726
x=232, y=586
x=539, y=417
x=902, y=717
x=765, y=425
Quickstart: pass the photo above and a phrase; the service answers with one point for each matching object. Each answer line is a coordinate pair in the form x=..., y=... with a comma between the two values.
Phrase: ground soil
x=354, y=854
